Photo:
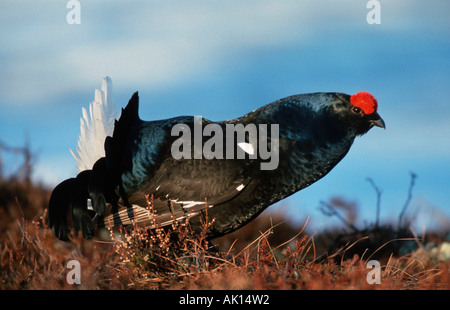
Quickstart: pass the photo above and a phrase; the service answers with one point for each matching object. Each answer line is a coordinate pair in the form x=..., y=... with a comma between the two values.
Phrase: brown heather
x=268, y=253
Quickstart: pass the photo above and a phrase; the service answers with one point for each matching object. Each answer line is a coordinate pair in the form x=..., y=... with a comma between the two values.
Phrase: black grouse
x=228, y=170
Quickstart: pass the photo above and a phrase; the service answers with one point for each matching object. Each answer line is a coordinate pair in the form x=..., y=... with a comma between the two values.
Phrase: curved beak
x=376, y=120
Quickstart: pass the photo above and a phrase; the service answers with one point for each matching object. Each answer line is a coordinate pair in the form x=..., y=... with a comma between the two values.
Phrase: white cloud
x=157, y=43
x=162, y=43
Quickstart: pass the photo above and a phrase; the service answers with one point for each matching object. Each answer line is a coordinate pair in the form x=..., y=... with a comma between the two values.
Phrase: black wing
x=179, y=188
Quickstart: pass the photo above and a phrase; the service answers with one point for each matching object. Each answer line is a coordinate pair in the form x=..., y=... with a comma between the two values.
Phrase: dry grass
x=31, y=258
x=273, y=255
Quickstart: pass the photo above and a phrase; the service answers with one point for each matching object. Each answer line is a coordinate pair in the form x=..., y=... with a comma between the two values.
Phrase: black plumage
x=315, y=131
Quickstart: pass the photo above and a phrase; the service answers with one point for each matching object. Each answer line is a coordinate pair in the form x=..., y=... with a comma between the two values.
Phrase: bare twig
x=26, y=169
x=408, y=199
x=329, y=210
x=378, y=192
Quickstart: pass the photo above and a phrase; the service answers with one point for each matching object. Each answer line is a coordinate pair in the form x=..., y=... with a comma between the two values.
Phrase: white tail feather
x=95, y=127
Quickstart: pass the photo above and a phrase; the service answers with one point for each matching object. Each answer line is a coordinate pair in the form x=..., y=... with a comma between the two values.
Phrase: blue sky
x=222, y=59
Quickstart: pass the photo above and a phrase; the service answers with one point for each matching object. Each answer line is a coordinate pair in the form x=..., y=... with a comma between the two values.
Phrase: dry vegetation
x=269, y=253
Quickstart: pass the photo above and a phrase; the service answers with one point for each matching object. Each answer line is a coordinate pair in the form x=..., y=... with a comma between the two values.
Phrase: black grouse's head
x=358, y=112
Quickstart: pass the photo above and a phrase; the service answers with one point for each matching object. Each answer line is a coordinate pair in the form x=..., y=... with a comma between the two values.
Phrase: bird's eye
x=356, y=110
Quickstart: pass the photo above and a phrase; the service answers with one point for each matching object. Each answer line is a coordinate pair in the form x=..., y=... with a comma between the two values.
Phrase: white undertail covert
x=95, y=127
